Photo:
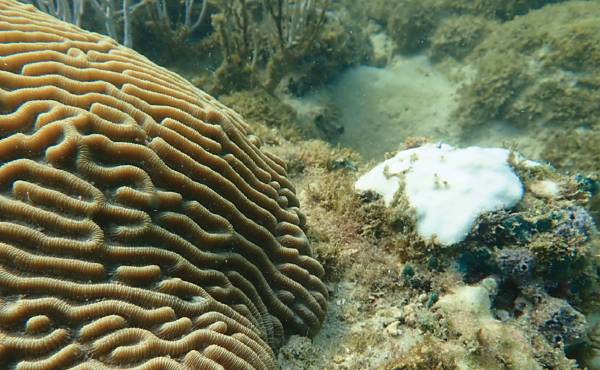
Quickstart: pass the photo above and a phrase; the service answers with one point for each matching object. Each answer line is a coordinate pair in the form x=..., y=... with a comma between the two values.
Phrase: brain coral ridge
x=140, y=227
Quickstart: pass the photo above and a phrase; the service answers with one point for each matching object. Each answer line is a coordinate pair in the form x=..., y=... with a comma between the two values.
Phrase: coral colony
x=448, y=188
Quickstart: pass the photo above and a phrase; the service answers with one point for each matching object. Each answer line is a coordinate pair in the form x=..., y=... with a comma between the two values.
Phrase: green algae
x=412, y=22
x=539, y=71
x=457, y=36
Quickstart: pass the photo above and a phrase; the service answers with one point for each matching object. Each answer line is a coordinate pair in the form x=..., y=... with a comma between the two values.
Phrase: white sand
x=381, y=107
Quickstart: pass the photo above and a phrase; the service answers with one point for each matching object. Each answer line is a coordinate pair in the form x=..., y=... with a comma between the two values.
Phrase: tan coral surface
x=139, y=225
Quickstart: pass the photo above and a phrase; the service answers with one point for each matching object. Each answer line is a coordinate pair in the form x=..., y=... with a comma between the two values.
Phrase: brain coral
x=140, y=227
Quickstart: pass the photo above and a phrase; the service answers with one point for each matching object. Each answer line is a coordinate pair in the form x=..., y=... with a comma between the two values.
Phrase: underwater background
x=334, y=87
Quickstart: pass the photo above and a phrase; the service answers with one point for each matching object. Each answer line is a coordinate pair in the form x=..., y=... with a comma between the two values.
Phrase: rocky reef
x=514, y=294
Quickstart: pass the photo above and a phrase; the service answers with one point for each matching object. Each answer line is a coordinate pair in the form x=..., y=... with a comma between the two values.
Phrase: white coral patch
x=448, y=188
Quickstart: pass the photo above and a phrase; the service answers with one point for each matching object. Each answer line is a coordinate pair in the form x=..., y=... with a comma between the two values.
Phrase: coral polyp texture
x=140, y=224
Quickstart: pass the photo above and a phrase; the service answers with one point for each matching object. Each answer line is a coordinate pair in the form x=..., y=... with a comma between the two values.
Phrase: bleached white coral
x=448, y=188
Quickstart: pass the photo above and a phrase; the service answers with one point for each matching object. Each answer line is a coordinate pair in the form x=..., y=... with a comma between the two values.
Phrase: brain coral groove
x=139, y=225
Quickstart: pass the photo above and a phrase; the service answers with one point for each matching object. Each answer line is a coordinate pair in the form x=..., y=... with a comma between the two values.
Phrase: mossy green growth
x=494, y=90
x=560, y=261
x=544, y=78
x=553, y=241
x=428, y=355
x=575, y=149
x=233, y=75
x=260, y=108
x=457, y=36
x=262, y=43
x=409, y=23
x=534, y=72
x=412, y=22
x=167, y=40
x=339, y=46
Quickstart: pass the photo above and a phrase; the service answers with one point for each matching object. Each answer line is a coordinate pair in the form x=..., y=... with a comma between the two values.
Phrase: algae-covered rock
x=412, y=22
x=430, y=354
x=457, y=36
x=341, y=44
x=540, y=76
x=492, y=344
x=575, y=149
x=494, y=89
x=559, y=322
x=535, y=256
x=541, y=79
x=538, y=83
x=592, y=355
x=259, y=107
